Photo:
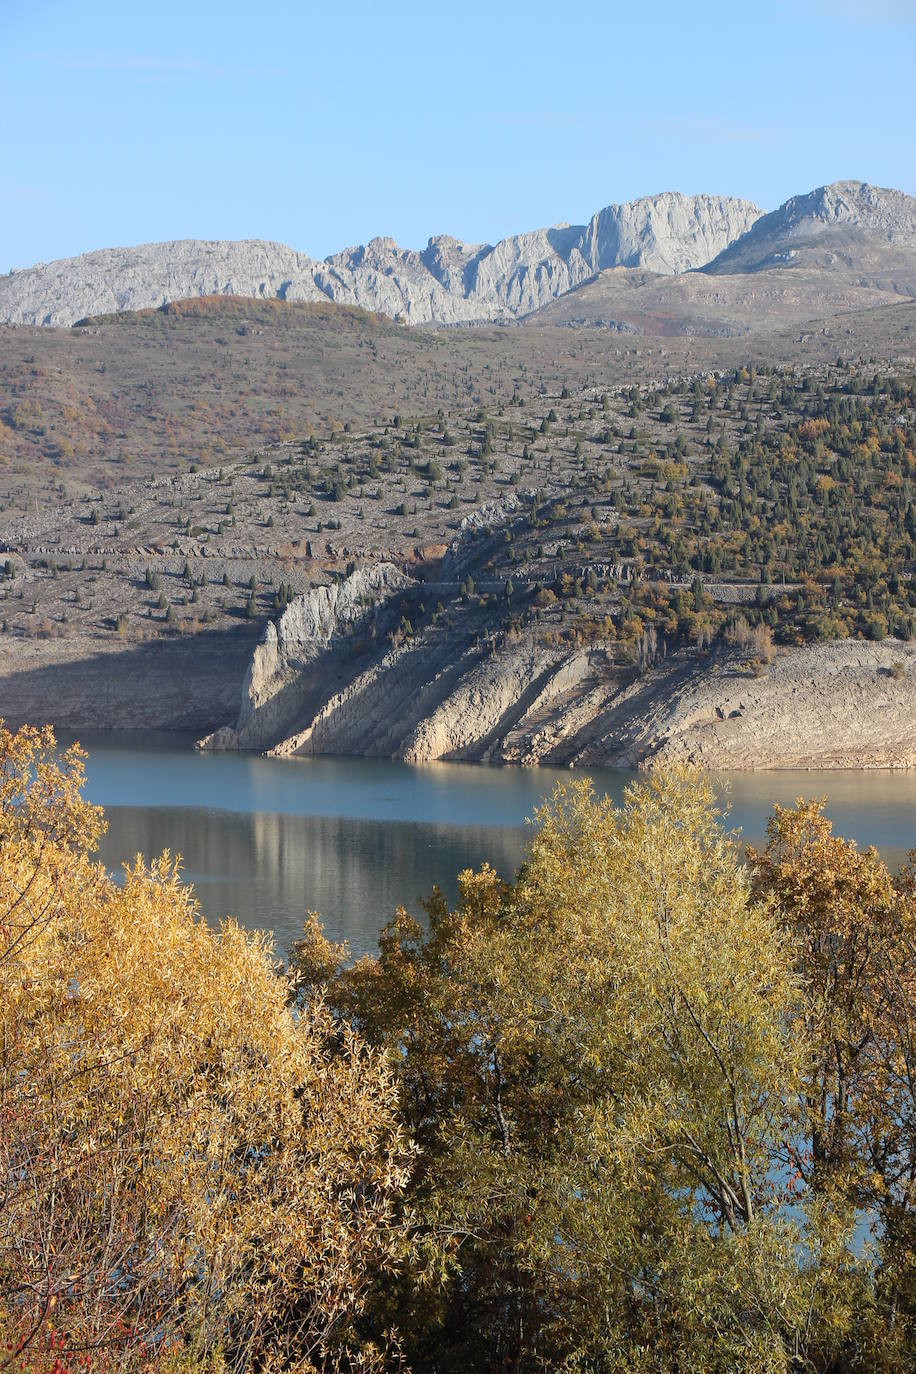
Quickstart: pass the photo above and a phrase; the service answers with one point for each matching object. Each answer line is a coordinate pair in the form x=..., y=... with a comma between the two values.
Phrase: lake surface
x=268, y=839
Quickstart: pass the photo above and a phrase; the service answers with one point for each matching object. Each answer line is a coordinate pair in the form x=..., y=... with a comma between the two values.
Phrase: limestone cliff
x=293, y=660
x=448, y=282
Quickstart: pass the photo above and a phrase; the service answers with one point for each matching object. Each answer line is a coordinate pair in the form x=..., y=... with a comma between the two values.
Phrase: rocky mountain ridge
x=846, y=213
x=449, y=282
x=862, y=234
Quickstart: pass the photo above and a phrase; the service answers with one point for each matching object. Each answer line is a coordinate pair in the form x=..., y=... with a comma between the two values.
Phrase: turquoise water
x=267, y=839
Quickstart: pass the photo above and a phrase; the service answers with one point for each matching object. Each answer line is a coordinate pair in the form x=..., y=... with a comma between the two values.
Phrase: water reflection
x=157, y=771
x=267, y=838
x=877, y=806
x=269, y=868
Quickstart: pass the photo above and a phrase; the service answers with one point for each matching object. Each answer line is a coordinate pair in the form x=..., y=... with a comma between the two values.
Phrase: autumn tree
x=853, y=927
x=185, y=1165
x=601, y=1067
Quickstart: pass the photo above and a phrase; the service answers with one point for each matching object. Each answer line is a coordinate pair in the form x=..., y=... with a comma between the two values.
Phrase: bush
x=756, y=640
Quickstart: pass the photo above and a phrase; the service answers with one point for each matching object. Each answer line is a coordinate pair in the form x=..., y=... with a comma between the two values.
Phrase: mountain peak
x=855, y=207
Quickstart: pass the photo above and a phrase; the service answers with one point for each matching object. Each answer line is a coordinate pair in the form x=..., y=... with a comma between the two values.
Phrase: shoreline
x=844, y=706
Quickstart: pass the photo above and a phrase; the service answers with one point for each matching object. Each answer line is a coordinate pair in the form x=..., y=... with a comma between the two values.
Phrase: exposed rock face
x=116, y=279
x=496, y=711
x=279, y=689
x=515, y=699
x=848, y=704
x=846, y=212
x=667, y=233
x=448, y=282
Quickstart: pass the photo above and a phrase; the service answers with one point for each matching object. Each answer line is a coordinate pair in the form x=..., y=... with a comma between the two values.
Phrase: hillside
x=630, y=301
x=572, y=575
x=153, y=392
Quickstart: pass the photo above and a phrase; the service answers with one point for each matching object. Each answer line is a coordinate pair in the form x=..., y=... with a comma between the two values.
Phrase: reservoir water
x=267, y=839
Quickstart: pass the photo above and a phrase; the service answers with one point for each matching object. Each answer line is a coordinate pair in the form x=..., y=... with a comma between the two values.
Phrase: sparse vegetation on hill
x=550, y=493
x=135, y=396
x=604, y=514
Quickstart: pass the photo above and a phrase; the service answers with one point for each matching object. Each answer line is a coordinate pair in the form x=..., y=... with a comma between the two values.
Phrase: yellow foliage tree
x=184, y=1163
x=601, y=1065
x=853, y=927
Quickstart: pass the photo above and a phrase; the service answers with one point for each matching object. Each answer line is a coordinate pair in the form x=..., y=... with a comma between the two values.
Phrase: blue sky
x=320, y=127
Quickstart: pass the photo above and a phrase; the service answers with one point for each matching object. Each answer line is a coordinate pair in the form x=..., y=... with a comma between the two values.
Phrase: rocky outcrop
x=843, y=705
x=848, y=704
x=142, y=278
x=493, y=712
x=280, y=690
x=667, y=233
x=448, y=282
